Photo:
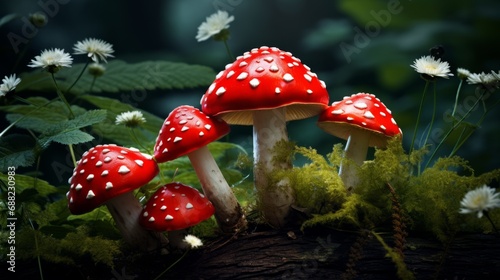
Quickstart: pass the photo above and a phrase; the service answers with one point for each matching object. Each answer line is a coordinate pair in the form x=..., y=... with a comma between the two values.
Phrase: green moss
x=430, y=200
x=75, y=245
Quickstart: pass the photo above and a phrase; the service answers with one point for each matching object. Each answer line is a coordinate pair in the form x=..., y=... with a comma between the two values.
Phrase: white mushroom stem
x=227, y=209
x=125, y=210
x=354, y=155
x=269, y=127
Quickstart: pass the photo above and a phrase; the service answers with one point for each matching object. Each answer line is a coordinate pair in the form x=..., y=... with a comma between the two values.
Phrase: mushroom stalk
x=354, y=155
x=227, y=209
x=269, y=127
x=126, y=210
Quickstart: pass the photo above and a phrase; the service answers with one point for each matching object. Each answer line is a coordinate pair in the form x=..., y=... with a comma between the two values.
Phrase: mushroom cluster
x=188, y=131
x=266, y=87
x=108, y=174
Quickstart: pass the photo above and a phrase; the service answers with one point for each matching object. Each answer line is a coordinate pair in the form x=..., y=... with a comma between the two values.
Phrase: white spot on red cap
x=288, y=77
x=220, y=91
x=177, y=139
x=254, y=82
x=90, y=194
x=360, y=105
x=123, y=170
x=242, y=76
x=368, y=115
x=169, y=218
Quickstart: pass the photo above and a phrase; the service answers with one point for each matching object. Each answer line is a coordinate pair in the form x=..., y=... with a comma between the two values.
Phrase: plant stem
x=37, y=251
x=433, y=116
x=455, y=126
x=418, y=117
x=23, y=117
x=136, y=140
x=456, y=98
x=79, y=76
x=172, y=265
x=92, y=84
x=478, y=124
x=487, y=215
x=61, y=96
x=72, y=153
x=228, y=50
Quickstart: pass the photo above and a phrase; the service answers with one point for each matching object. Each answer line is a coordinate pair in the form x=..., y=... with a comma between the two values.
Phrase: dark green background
x=312, y=30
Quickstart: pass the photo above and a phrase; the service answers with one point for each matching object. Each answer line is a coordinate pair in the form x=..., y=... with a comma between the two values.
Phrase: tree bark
x=293, y=255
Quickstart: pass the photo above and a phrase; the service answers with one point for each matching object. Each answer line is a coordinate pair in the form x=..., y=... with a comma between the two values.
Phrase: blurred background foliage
x=313, y=31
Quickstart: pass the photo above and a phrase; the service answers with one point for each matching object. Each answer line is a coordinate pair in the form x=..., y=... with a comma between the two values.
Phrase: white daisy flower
x=481, y=199
x=193, y=241
x=94, y=48
x=489, y=81
x=428, y=65
x=9, y=83
x=130, y=119
x=53, y=60
x=463, y=73
x=213, y=25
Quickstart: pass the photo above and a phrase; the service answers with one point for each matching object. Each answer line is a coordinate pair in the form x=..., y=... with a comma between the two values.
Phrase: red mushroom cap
x=265, y=78
x=107, y=171
x=187, y=129
x=175, y=206
x=362, y=111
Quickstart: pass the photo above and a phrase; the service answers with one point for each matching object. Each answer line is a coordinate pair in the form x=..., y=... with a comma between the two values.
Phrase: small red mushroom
x=266, y=87
x=175, y=206
x=108, y=174
x=364, y=121
x=188, y=131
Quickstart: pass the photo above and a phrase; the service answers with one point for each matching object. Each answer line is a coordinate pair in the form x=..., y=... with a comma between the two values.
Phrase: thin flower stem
x=37, y=250
x=23, y=117
x=418, y=117
x=459, y=142
x=478, y=124
x=61, y=96
x=228, y=50
x=72, y=153
x=92, y=84
x=79, y=76
x=136, y=140
x=487, y=215
x=455, y=126
x=456, y=98
x=433, y=116
x=172, y=265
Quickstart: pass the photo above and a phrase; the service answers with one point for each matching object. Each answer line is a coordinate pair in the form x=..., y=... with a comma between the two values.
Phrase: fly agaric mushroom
x=174, y=207
x=187, y=131
x=108, y=174
x=266, y=87
x=364, y=121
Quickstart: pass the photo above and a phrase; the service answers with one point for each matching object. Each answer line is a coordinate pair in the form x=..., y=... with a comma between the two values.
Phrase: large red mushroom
x=364, y=121
x=266, y=87
x=108, y=174
x=188, y=131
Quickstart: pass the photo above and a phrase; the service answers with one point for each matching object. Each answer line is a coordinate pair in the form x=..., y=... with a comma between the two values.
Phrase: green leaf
x=68, y=132
x=16, y=150
x=122, y=76
x=68, y=138
x=24, y=182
